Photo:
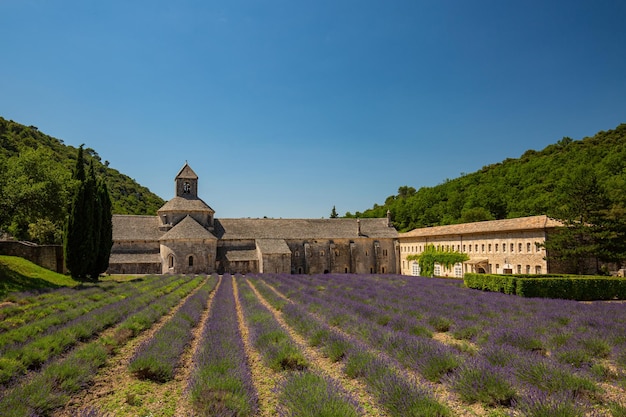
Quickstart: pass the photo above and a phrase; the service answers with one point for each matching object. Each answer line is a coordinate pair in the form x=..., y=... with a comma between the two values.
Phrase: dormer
x=186, y=183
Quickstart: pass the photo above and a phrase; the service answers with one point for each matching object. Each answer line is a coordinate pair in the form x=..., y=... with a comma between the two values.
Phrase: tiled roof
x=302, y=229
x=130, y=227
x=187, y=172
x=506, y=225
x=272, y=246
x=135, y=258
x=187, y=228
x=186, y=204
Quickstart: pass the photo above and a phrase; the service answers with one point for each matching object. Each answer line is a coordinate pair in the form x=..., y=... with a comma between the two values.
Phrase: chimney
x=389, y=223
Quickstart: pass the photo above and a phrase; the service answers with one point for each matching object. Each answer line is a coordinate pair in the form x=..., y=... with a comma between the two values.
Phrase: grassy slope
x=18, y=274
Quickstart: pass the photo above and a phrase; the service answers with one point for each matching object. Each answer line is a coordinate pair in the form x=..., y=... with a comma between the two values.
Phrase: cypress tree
x=87, y=239
x=95, y=219
x=106, y=229
x=76, y=241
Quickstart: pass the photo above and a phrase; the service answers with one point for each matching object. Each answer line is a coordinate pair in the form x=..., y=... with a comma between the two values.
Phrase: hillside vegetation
x=536, y=183
x=35, y=184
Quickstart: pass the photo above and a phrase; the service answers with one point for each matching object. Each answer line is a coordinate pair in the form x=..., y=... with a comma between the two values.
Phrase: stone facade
x=511, y=246
x=185, y=237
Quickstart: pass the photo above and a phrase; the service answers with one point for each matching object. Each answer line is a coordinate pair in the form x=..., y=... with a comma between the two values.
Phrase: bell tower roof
x=186, y=173
x=186, y=182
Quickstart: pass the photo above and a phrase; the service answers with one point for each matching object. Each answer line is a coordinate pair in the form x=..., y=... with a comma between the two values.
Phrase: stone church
x=185, y=237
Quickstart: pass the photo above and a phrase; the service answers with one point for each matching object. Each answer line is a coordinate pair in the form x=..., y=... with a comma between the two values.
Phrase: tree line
x=36, y=184
x=580, y=182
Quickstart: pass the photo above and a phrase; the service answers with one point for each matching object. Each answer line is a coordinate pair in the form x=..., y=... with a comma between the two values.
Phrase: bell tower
x=186, y=183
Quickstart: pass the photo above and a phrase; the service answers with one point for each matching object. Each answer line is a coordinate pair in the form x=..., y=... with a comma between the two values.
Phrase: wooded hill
x=35, y=183
x=536, y=183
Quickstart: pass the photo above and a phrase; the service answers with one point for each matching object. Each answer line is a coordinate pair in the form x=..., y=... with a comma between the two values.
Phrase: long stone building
x=510, y=246
x=186, y=237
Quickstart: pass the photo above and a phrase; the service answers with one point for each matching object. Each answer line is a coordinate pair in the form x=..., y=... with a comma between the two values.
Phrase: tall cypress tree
x=95, y=220
x=88, y=232
x=106, y=229
x=77, y=243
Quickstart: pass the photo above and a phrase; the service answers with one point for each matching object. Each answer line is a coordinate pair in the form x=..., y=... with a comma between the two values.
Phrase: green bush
x=571, y=287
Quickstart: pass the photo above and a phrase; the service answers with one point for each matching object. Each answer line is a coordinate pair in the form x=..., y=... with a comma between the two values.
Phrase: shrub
x=478, y=381
x=306, y=394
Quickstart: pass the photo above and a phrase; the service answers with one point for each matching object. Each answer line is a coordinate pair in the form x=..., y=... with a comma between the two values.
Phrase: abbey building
x=186, y=237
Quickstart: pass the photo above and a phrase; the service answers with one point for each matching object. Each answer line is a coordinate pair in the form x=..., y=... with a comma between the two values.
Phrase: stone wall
x=341, y=256
x=46, y=256
x=189, y=256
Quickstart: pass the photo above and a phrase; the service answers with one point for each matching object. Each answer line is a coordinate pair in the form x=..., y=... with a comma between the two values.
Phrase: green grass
x=18, y=274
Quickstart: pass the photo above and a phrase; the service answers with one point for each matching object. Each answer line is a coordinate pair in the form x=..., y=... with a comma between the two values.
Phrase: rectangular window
x=464, y=248
x=496, y=247
x=512, y=248
x=437, y=270
x=458, y=270
x=476, y=248
x=519, y=269
x=482, y=248
x=490, y=247
x=528, y=247
x=528, y=269
x=504, y=247
x=538, y=269
x=519, y=248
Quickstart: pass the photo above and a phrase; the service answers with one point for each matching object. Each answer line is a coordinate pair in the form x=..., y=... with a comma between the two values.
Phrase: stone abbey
x=186, y=237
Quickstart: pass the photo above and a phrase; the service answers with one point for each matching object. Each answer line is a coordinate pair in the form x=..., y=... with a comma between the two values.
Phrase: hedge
x=570, y=287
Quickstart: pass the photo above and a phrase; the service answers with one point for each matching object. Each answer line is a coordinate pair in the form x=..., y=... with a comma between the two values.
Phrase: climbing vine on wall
x=432, y=255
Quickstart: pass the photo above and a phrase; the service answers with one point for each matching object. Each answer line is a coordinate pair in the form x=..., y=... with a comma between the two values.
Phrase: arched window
x=190, y=260
x=170, y=261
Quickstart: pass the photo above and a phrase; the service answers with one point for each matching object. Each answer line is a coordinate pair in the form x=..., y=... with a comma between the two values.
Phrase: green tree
x=32, y=191
x=105, y=237
x=88, y=239
x=77, y=242
x=333, y=213
x=581, y=207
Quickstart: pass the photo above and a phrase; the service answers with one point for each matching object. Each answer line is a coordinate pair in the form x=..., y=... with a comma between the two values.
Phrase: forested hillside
x=35, y=183
x=539, y=182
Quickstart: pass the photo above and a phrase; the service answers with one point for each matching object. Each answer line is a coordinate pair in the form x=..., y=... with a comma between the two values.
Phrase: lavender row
x=50, y=388
x=413, y=350
x=157, y=358
x=25, y=309
x=395, y=393
x=571, y=330
x=221, y=382
x=555, y=349
x=276, y=347
x=18, y=358
x=304, y=392
x=82, y=302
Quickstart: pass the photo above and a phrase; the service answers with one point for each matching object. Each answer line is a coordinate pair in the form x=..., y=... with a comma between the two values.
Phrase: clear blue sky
x=288, y=108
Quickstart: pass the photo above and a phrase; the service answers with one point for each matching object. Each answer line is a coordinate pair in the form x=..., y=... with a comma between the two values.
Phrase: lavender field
x=300, y=345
